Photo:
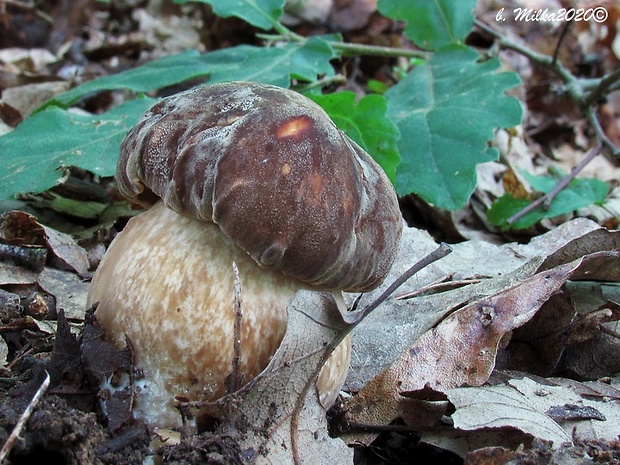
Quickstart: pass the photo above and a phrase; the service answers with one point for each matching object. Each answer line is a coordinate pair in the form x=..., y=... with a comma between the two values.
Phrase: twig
x=323, y=82
x=600, y=133
x=32, y=258
x=584, y=92
x=603, y=86
x=546, y=199
x=10, y=442
x=234, y=380
x=350, y=49
x=543, y=60
x=439, y=252
x=558, y=46
x=355, y=318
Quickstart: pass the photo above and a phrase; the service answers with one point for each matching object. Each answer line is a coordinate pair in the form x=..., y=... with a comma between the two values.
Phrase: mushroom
x=246, y=173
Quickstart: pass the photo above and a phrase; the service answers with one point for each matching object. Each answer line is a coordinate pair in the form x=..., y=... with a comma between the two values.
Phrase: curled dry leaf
x=545, y=344
x=277, y=417
x=460, y=350
x=397, y=324
x=20, y=228
x=558, y=413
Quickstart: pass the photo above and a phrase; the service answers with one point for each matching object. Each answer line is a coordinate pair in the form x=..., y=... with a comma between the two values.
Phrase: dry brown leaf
x=168, y=33
x=68, y=289
x=67, y=250
x=397, y=324
x=544, y=411
x=313, y=12
x=544, y=345
x=11, y=274
x=29, y=97
x=20, y=228
x=34, y=60
x=278, y=418
x=460, y=351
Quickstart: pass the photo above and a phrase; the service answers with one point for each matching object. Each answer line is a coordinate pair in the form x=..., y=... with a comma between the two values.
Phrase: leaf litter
x=517, y=324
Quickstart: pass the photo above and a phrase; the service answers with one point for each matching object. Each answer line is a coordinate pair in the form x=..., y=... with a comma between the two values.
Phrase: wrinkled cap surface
x=274, y=172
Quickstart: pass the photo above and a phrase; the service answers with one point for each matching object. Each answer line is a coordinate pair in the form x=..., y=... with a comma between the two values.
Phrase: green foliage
x=447, y=110
x=448, y=107
x=35, y=155
x=431, y=24
x=31, y=168
x=159, y=73
x=578, y=194
x=274, y=65
x=366, y=123
x=263, y=14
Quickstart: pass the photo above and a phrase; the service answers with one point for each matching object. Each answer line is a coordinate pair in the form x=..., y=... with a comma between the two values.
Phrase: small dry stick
x=546, y=199
x=558, y=46
x=355, y=318
x=10, y=442
x=441, y=251
x=235, y=376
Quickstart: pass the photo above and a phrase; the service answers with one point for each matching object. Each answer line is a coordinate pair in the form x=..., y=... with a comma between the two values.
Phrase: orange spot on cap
x=293, y=128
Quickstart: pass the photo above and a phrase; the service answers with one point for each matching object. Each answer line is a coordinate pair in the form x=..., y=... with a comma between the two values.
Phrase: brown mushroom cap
x=273, y=171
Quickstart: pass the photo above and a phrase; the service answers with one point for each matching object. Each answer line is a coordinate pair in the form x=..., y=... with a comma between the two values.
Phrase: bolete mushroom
x=245, y=173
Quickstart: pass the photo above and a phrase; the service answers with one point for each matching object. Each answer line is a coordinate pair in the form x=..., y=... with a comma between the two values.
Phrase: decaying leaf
x=20, y=228
x=278, y=418
x=462, y=348
x=546, y=411
x=397, y=324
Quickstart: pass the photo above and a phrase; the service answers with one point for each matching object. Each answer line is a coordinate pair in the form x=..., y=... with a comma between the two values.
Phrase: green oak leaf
x=431, y=24
x=34, y=156
x=366, y=123
x=260, y=13
x=447, y=110
x=578, y=194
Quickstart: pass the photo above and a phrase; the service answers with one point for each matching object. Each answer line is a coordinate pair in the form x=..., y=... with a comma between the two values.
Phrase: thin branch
x=234, y=380
x=10, y=442
x=539, y=58
x=348, y=48
x=558, y=46
x=323, y=82
x=600, y=133
x=603, y=87
x=584, y=92
x=355, y=318
x=546, y=199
